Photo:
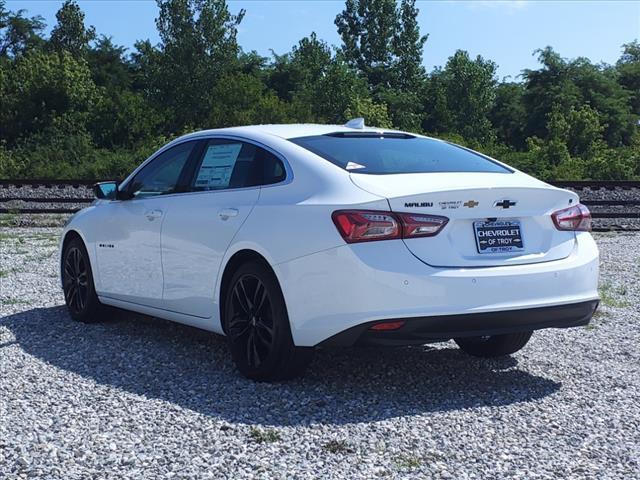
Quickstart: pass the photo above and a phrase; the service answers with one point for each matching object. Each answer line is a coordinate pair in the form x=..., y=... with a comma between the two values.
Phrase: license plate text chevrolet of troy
x=288, y=238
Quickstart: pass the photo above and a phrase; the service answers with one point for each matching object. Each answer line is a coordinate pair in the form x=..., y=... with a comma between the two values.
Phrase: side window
x=161, y=176
x=229, y=164
x=272, y=168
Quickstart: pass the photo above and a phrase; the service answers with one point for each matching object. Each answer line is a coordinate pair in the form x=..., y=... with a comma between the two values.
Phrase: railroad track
x=614, y=204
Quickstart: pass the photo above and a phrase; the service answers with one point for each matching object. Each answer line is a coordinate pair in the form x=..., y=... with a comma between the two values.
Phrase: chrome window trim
x=208, y=136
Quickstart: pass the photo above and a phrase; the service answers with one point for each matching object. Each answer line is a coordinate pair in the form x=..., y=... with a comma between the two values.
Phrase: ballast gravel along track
x=615, y=205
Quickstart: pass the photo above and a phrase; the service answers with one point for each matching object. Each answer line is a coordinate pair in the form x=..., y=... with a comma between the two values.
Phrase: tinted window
x=272, y=168
x=386, y=154
x=232, y=164
x=161, y=176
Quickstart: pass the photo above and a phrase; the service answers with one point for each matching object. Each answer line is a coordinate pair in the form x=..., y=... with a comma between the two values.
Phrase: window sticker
x=217, y=166
x=354, y=166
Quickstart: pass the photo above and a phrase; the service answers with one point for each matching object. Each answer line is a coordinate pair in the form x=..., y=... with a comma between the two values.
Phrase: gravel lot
x=138, y=397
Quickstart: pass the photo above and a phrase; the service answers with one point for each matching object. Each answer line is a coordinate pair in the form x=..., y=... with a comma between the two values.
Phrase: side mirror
x=106, y=190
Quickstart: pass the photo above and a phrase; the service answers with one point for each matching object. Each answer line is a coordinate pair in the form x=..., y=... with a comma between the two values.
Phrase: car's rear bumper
x=420, y=330
x=337, y=289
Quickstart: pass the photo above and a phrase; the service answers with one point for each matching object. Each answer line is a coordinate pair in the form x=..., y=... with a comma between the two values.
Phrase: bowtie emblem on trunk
x=471, y=203
x=504, y=204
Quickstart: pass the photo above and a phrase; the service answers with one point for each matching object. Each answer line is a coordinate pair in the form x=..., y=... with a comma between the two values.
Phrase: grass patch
x=337, y=446
x=610, y=297
x=7, y=236
x=48, y=239
x=3, y=273
x=408, y=462
x=41, y=256
x=14, y=301
x=9, y=220
x=264, y=436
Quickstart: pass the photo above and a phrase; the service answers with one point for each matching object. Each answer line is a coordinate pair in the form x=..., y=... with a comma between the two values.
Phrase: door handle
x=226, y=213
x=153, y=214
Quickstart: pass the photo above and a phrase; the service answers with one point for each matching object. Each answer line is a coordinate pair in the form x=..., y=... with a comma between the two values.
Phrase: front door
x=128, y=231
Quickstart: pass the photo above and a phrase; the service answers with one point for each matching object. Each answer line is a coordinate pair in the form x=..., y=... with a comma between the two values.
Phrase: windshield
x=396, y=153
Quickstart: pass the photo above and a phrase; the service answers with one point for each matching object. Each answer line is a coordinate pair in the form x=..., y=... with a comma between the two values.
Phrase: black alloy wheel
x=77, y=283
x=251, y=324
x=257, y=326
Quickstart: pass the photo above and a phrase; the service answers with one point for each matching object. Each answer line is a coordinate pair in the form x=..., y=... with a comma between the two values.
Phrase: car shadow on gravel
x=192, y=369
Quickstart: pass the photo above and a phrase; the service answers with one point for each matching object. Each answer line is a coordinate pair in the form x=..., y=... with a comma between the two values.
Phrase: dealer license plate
x=499, y=236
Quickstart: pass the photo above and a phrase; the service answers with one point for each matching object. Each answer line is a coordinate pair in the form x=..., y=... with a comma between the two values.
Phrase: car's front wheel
x=494, y=345
x=257, y=326
x=77, y=283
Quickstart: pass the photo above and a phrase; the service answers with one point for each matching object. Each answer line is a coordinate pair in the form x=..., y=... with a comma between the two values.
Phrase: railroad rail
x=42, y=196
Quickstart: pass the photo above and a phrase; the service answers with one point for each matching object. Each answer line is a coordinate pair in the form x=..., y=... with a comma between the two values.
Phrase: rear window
x=396, y=153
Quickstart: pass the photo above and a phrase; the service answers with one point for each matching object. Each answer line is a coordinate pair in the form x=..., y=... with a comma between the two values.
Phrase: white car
x=286, y=238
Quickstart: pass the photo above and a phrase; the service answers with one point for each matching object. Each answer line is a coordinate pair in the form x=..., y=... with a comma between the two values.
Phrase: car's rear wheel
x=77, y=283
x=494, y=345
x=257, y=326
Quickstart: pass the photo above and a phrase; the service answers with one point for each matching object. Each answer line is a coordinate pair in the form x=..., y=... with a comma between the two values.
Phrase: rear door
x=200, y=226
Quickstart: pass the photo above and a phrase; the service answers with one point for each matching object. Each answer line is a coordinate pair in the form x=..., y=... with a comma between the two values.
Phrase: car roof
x=287, y=131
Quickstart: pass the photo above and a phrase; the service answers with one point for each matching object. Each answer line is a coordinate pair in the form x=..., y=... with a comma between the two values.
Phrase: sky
x=506, y=31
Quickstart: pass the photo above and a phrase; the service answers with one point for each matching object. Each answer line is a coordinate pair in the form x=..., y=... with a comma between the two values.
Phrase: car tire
x=493, y=345
x=77, y=283
x=257, y=327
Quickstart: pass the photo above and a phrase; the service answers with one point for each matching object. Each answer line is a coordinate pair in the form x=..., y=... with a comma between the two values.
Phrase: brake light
x=416, y=225
x=366, y=225
x=576, y=218
x=369, y=225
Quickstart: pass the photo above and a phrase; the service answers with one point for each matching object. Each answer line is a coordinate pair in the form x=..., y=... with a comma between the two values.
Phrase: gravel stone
x=138, y=397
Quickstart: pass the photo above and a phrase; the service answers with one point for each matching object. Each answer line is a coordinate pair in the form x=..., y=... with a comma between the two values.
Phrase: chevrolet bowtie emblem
x=505, y=204
x=470, y=203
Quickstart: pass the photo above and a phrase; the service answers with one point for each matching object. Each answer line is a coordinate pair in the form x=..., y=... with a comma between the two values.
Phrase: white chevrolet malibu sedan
x=285, y=238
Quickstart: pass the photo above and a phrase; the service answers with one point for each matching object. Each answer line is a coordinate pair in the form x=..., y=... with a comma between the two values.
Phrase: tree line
x=76, y=105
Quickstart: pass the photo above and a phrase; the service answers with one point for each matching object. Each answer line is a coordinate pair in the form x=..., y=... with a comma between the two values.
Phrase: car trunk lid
x=483, y=208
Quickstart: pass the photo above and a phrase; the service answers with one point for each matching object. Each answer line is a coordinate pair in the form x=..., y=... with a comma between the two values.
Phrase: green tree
x=108, y=66
x=247, y=101
x=628, y=67
x=585, y=136
x=198, y=48
x=567, y=84
x=18, y=33
x=508, y=115
x=408, y=46
x=460, y=97
x=381, y=41
x=40, y=87
x=319, y=85
x=374, y=114
x=70, y=34
x=367, y=29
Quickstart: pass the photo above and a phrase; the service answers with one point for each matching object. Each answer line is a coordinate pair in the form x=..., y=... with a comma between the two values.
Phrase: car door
x=200, y=225
x=128, y=231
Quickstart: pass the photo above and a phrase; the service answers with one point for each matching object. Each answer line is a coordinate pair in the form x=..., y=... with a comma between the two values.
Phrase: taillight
x=368, y=225
x=416, y=225
x=576, y=218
